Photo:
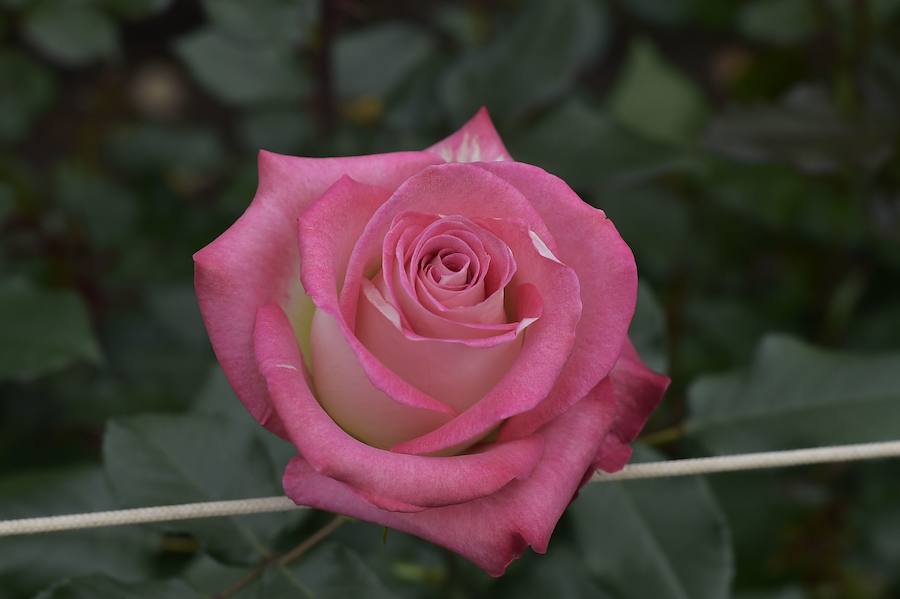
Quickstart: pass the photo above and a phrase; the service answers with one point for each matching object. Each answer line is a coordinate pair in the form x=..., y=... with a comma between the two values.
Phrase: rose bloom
x=443, y=335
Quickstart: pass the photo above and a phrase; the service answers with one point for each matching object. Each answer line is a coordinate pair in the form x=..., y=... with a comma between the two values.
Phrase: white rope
x=144, y=515
x=213, y=509
x=754, y=461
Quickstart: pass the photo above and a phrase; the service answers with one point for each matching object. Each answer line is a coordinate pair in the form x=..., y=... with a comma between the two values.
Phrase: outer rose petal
x=392, y=480
x=476, y=141
x=493, y=530
x=590, y=245
x=637, y=390
x=255, y=261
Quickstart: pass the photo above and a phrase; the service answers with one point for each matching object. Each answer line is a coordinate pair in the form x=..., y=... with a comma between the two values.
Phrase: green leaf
x=107, y=210
x=648, y=329
x=548, y=42
x=560, y=574
x=164, y=367
x=413, y=567
x=283, y=131
x=589, y=150
x=282, y=23
x=242, y=73
x=716, y=14
x=41, y=332
x=158, y=460
x=875, y=327
x=662, y=538
x=885, y=10
x=7, y=201
x=331, y=571
x=656, y=224
x=372, y=62
x=797, y=395
x=655, y=100
x=136, y=9
x=784, y=199
x=780, y=499
x=725, y=329
x=782, y=22
x=785, y=593
x=181, y=151
x=73, y=33
x=875, y=515
x=671, y=12
x=29, y=563
x=94, y=587
x=806, y=130
x=218, y=398
x=175, y=307
x=208, y=576
x=460, y=24
x=409, y=118
x=28, y=89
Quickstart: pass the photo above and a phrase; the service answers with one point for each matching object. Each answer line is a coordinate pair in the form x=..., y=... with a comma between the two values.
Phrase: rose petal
x=591, y=246
x=450, y=271
x=492, y=264
x=456, y=374
x=327, y=230
x=421, y=314
x=412, y=481
x=255, y=261
x=443, y=189
x=638, y=390
x=493, y=530
x=345, y=391
x=475, y=141
x=545, y=350
x=453, y=187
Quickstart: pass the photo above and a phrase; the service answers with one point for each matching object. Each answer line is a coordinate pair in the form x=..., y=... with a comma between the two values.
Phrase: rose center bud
x=448, y=269
x=442, y=315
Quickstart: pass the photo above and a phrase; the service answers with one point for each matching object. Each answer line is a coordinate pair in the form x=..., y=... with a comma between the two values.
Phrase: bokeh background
x=747, y=151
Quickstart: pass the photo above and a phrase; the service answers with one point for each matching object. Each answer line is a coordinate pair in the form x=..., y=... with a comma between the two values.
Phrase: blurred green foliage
x=746, y=149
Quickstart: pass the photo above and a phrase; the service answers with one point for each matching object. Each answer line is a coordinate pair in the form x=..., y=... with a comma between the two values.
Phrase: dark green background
x=747, y=151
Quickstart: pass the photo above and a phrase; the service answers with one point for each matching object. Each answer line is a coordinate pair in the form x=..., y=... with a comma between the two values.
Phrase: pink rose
x=441, y=334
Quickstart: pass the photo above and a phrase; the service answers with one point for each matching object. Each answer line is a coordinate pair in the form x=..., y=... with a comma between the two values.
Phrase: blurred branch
x=325, y=101
x=282, y=560
x=664, y=436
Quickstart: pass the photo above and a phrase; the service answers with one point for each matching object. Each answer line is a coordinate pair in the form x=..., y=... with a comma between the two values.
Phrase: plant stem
x=324, y=69
x=283, y=559
x=316, y=538
x=661, y=437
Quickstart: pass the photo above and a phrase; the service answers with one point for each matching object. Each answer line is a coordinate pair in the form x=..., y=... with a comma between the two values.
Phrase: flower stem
x=283, y=559
x=325, y=98
x=661, y=437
